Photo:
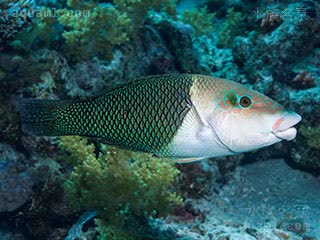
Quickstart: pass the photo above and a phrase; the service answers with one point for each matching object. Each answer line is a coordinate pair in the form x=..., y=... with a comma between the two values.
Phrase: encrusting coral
x=118, y=183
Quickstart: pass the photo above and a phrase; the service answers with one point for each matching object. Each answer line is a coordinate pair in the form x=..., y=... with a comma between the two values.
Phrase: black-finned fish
x=182, y=116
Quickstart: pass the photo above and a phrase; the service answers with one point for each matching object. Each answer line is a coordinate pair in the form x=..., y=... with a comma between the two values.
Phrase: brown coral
x=303, y=80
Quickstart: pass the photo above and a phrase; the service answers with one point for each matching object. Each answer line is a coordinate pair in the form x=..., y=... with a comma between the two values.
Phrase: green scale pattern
x=143, y=115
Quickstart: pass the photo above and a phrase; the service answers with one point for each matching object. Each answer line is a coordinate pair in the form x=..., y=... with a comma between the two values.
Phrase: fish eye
x=245, y=102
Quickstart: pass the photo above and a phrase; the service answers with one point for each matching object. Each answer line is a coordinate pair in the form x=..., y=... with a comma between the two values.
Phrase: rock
x=304, y=157
x=2, y=74
x=283, y=58
x=15, y=182
x=193, y=180
x=91, y=78
x=178, y=39
x=260, y=198
x=76, y=232
x=215, y=61
x=297, y=225
x=12, y=23
x=6, y=235
x=306, y=103
x=147, y=55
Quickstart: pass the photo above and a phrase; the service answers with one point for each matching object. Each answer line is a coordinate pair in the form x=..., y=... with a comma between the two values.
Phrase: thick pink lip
x=283, y=127
x=288, y=120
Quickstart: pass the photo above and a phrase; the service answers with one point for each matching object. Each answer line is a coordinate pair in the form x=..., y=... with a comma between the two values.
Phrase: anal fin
x=188, y=160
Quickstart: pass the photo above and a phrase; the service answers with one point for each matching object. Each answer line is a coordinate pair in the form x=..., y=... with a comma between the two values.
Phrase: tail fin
x=38, y=117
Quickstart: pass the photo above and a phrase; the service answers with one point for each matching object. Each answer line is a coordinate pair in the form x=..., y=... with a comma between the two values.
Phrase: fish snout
x=283, y=127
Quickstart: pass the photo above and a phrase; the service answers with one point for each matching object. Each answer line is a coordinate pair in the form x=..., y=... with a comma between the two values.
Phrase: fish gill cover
x=74, y=50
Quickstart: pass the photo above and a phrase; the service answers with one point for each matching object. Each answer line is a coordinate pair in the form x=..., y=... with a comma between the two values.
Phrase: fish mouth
x=283, y=127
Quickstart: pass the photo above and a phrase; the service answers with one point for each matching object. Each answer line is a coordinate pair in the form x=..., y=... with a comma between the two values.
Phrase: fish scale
x=144, y=115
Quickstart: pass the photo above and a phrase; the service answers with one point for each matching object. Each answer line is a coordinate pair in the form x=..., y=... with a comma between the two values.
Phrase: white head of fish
x=242, y=134
x=244, y=120
x=228, y=118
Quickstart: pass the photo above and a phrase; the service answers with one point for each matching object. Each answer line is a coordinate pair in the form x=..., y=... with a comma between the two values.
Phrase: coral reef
x=216, y=61
x=274, y=52
x=303, y=153
x=118, y=182
x=199, y=19
x=303, y=80
x=16, y=187
x=90, y=78
x=263, y=200
x=180, y=43
x=89, y=36
x=232, y=27
x=14, y=17
x=193, y=180
x=15, y=180
x=307, y=154
x=138, y=9
x=312, y=135
x=277, y=58
x=77, y=49
x=113, y=233
x=43, y=214
x=270, y=21
x=77, y=229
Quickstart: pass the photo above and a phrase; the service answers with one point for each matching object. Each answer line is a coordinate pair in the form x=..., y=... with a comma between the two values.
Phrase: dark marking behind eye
x=233, y=99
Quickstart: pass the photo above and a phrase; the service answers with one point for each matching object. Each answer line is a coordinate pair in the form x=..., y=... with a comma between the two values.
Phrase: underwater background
x=82, y=188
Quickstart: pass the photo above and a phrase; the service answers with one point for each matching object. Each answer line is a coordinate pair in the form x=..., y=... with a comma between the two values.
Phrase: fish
x=184, y=117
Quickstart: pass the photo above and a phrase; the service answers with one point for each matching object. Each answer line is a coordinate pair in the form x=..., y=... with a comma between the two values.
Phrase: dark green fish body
x=181, y=116
x=143, y=115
